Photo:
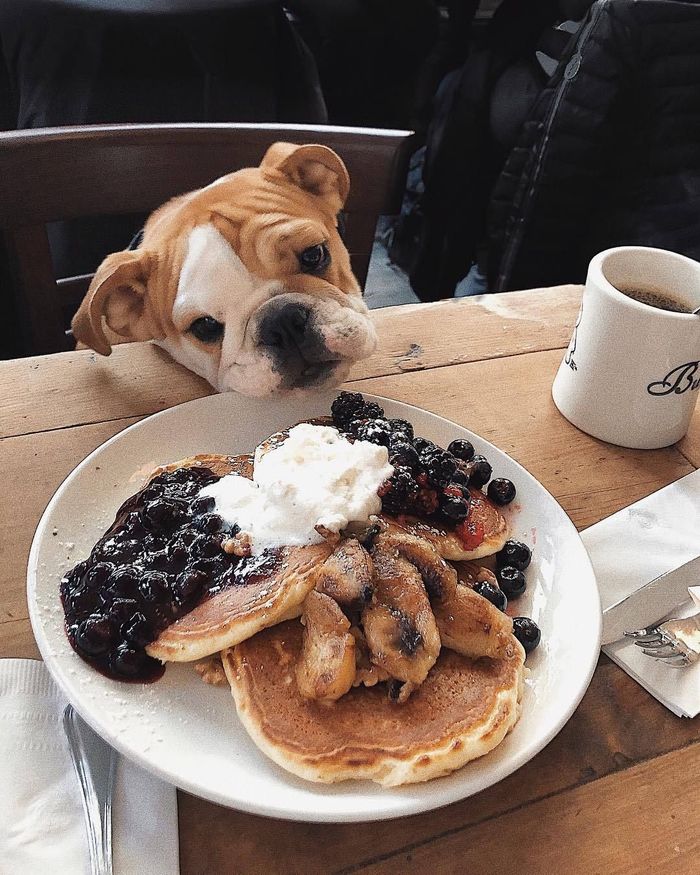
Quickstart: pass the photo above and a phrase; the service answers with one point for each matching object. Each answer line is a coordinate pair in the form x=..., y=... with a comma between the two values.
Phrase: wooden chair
x=54, y=174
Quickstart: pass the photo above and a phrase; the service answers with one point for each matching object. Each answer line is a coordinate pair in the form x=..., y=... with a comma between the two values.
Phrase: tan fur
x=266, y=214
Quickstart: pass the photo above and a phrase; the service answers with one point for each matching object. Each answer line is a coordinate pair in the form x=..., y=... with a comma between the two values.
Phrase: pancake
x=219, y=464
x=462, y=710
x=266, y=589
x=483, y=515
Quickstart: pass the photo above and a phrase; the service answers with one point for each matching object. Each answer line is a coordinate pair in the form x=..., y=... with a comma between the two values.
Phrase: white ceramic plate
x=187, y=732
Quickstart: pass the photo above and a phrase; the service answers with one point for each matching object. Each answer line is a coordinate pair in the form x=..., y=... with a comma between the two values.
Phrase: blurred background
x=545, y=130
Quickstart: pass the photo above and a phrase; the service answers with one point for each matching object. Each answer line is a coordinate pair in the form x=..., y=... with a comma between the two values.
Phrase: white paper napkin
x=41, y=817
x=632, y=547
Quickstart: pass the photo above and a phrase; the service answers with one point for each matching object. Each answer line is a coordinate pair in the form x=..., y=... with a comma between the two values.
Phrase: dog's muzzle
x=290, y=337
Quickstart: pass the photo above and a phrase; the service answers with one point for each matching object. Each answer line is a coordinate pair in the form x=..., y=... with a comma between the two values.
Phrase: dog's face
x=246, y=282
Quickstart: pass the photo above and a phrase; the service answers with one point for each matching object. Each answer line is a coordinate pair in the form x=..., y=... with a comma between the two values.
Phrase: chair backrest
x=55, y=174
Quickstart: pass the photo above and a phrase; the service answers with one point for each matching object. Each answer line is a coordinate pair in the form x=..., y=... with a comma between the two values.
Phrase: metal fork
x=95, y=762
x=676, y=642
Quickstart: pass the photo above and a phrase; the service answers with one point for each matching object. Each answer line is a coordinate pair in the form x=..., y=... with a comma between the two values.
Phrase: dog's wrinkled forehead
x=268, y=215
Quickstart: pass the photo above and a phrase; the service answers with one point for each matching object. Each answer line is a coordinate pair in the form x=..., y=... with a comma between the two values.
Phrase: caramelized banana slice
x=326, y=666
x=346, y=576
x=439, y=577
x=399, y=625
x=469, y=624
x=366, y=672
x=471, y=573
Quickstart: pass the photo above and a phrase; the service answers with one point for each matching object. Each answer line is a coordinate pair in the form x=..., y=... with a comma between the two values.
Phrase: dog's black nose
x=285, y=328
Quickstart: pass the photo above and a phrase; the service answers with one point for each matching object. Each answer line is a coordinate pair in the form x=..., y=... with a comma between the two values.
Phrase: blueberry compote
x=160, y=558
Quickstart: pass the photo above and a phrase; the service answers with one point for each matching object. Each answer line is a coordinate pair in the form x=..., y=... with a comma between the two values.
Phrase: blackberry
x=527, y=632
x=461, y=449
x=480, y=472
x=371, y=410
x=402, y=426
x=403, y=453
x=345, y=408
x=422, y=444
x=398, y=491
x=376, y=431
x=439, y=466
x=501, y=491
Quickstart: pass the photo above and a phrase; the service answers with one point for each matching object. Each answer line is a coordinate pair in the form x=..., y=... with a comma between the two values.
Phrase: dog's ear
x=117, y=294
x=316, y=169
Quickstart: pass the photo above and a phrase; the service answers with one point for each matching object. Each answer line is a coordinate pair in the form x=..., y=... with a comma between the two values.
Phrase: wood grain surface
x=616, y=789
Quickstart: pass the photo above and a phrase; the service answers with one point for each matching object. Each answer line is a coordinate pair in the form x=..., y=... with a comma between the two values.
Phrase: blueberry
x=491, y=592
x=98, y=574
x=511, y=580
x=81, y=600
x=124, y=581
x=154, y=587
x=454, y=509
x=480, y=472
x=527, y=632
x=402, y=426
x=212, y=567
x=188, y=585
x=514, y=553
x=403, y=453
x=462, y=449
x=95, y=635
x=460, y=477
x=122, y=610
x=188, y=536
x=203, y=504
x=138, y=630
x=127, y=660
x=177, y=553
x=501, y=491
x=133, y=525
x=211, y=546
x=210, y=523
x=163, y=514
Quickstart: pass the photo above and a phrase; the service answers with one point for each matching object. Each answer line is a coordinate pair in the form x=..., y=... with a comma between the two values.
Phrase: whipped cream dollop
x=315, y=478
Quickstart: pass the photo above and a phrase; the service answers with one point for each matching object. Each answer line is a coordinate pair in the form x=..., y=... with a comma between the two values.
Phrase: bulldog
x=246, y=281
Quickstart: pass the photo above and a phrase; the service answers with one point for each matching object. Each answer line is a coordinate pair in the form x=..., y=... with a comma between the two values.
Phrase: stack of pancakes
x=363, y=657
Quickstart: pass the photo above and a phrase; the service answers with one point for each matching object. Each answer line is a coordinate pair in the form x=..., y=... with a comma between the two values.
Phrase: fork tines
x=657, y=644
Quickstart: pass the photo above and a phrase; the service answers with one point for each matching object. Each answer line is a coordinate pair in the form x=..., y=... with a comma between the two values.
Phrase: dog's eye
x=207, y=329
x=315, y=258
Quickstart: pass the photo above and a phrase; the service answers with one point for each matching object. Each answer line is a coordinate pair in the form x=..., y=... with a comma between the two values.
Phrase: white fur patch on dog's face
x=215, y=283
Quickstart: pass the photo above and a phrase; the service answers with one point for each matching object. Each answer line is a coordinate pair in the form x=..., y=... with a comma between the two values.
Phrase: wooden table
x=615, y=792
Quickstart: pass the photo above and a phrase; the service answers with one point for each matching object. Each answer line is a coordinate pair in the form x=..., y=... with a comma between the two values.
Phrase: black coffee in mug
x=654, y=298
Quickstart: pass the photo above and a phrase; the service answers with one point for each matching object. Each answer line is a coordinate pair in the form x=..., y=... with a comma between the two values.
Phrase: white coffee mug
x=631, y=373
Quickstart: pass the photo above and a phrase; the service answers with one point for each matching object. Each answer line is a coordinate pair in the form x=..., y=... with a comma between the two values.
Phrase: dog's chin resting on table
x=246, y=282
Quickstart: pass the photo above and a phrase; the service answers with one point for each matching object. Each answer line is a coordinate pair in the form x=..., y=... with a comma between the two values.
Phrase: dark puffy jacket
x=608, y=153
